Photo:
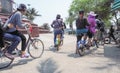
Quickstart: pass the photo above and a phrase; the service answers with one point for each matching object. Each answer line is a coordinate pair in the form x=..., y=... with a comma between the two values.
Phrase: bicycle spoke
x=4, y=61
x=36, y=48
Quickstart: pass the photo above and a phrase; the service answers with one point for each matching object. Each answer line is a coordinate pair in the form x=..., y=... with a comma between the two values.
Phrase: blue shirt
x=16, y=20
x=56, y=24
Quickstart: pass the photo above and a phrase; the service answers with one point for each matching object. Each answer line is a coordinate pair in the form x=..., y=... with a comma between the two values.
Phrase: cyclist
x=91, y=27
x=63, y=27
x=57, y=25
x=111, y=34
x=12, y=34
x=100, y=28
x=81, y=30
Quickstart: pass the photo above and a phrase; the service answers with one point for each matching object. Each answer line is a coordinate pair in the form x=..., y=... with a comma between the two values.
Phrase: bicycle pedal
x=14, y=53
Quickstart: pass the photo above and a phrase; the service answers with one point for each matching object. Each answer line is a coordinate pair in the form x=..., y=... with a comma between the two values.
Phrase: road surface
x=102, y=60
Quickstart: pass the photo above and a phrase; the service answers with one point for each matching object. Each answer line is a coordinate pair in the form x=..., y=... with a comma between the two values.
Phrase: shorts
x=90, y=34
x=81, y=31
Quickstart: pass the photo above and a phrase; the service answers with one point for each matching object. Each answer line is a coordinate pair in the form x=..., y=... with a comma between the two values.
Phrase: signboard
x=116, y=5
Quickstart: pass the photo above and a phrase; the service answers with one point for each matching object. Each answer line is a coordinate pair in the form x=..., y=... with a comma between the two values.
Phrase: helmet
x=58, y=16
x=81, y=11
x=22, y=7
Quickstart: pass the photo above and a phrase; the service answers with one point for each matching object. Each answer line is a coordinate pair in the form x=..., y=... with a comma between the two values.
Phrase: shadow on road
x=17, y=63
x=87, y=52
x=48, y=66
x=113, y=55
x=106, y=66
x=52, y=48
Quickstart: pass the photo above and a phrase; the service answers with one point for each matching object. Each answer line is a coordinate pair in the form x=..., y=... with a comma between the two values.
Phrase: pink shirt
x=92, y=23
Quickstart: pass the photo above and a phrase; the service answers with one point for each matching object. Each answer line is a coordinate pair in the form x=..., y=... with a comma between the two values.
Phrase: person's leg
x=89, y=38
x=114, y=38
x=23, y=38
x=79, y=37
x=23, y=44
x=55, y=34
x=15, y=40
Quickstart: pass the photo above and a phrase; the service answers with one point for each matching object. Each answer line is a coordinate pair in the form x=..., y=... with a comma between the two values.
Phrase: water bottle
x=57, y=41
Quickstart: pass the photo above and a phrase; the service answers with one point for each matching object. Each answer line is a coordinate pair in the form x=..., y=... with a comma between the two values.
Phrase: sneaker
x=25, y=55
x=10, y=56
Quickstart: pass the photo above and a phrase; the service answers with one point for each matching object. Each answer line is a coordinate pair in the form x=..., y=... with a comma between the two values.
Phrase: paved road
x=102, y=60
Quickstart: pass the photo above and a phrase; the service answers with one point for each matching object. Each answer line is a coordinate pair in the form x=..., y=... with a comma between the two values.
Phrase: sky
x=48, y=9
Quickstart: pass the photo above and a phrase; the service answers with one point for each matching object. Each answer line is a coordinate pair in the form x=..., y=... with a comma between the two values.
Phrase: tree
x=46, y=26
x=32, y=13
x=101, y=7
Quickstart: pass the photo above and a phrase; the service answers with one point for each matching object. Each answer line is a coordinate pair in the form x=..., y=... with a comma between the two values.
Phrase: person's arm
x=86, y=22
x=52, y=25
x=77, y=23
x=64, y=25
x=19, y=21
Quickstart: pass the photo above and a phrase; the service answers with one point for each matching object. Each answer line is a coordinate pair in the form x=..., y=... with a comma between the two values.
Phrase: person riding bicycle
x=100, y=28
x=57, y=25
x=91, y=27
x=12, y=34
x=81, y=30
x=63, y=27
x=99, y=23
x=111, y=31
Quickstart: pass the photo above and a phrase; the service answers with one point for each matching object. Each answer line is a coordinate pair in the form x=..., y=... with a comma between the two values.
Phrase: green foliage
x=32, y=13
x=46, y=26
x=107, y=23
x=101, y=7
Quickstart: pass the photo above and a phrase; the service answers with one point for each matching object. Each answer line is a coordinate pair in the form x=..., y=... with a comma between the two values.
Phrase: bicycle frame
x=29, y=37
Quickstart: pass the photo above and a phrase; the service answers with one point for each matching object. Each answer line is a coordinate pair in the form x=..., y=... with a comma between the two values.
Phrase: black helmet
x=22, y=7
x=81, y=11
x=58, y=16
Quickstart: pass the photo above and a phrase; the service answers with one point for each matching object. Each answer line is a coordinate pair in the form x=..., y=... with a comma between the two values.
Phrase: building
x=6, y=8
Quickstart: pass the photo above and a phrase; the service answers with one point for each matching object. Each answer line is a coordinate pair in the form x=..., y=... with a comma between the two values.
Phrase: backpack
x=98, y=22
x=100, y=25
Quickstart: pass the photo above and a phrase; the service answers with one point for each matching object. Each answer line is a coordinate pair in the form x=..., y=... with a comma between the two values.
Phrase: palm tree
x=32, y=13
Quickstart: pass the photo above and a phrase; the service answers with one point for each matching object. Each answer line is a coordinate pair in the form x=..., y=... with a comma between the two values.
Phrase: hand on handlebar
x=28, y=25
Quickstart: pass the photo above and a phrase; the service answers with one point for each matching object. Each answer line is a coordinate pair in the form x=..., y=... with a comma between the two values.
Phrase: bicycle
x=59, y=41
x=35, y=48
x=108, y=39
x=101, y=39
x=82, y=45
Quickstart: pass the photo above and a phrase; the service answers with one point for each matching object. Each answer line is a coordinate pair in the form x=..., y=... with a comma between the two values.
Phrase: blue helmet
x=22, y=7
x=58, y=16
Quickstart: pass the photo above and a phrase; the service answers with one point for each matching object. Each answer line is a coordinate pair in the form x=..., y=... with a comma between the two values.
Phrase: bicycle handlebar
x=28, y=29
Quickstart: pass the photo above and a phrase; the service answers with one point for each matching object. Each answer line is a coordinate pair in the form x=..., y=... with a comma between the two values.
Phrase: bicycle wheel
x=4, y=61
x=81, y=51
x=36, y=48
x=61, y=42
x=96, y=43
x=57, y=47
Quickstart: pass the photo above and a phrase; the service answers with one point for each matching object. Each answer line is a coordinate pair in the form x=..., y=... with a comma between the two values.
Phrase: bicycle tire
x=61, y=42
x=81, y=51
x=4, y=61
x=36, y=48
x=96, y=43
x=57, y=47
